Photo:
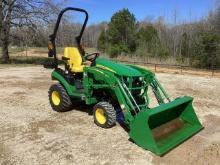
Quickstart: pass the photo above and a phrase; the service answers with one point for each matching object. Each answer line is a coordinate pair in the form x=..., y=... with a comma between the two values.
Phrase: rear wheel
x=104, y=115
x=59, y=99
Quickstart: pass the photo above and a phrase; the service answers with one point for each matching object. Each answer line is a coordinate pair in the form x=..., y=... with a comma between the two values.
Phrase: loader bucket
x=162, y=128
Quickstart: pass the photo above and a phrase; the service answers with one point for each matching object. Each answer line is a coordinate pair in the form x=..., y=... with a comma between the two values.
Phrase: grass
x=15, y=49
x=31, y=55
x=18, y=55
x=45, y=50
x=37, y=55
x=25, y=60
x=28, y=60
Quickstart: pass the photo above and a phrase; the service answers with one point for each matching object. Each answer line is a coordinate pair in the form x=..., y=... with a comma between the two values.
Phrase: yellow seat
x=75, y=59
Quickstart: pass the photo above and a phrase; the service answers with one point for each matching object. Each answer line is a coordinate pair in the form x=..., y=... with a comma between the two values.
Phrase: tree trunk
x=5, y=31
x=1, y=21
x=5, y=43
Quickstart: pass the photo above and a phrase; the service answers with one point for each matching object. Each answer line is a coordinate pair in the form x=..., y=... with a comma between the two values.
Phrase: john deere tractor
x=119, y=92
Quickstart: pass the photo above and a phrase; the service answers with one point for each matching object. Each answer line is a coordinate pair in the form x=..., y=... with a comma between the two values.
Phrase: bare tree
x=18, y=13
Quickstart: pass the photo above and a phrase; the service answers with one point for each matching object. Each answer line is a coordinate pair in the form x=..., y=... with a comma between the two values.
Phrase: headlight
x=140, y=78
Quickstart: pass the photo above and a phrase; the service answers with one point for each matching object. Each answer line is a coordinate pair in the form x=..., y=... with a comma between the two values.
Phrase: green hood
x=117, y=68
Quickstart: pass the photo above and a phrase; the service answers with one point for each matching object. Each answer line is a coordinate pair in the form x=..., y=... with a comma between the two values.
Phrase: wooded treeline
x=195, y=44
x=29, y=23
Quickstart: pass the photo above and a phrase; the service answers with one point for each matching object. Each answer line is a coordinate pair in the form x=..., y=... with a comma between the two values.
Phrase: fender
x=70, y=88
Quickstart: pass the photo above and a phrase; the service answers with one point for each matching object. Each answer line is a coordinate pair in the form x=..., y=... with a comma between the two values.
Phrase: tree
x=148, y=43
x=184, y=47
x=102, y=40
x=18, y=13
x=5, y=21
x=216, y=21
x=147, y=38
x=206, y=48
x=121, y=31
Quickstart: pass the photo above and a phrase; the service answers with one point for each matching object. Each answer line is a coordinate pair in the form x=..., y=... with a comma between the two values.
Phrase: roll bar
x=78, y=38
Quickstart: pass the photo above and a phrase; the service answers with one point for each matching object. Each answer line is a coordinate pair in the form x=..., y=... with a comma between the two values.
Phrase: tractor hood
x=117, y=68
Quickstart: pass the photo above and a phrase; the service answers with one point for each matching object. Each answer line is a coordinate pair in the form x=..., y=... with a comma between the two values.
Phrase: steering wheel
x=91, y=57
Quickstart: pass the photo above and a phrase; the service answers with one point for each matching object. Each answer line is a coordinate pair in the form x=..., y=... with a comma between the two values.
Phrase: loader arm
x=109, y=80
x=111, y=83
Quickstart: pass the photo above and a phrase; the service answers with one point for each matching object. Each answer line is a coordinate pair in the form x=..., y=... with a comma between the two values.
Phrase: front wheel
x=59, y=99
x=104, y=115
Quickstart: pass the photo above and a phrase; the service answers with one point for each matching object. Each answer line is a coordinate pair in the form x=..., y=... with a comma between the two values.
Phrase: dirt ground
x=31, y=133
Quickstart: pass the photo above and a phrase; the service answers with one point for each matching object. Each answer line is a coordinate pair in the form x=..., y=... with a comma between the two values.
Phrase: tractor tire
x=59, y=99
x=104, y=115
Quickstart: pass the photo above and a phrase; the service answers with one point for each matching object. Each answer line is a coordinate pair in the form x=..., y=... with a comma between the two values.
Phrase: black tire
x=64, y=104
x=109, y=113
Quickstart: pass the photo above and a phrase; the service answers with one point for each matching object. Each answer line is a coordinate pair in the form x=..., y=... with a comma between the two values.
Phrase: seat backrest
x=75, y=59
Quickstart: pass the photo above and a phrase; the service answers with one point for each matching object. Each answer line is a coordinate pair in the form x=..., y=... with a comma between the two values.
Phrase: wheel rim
x=55, y=98
x=100, y=116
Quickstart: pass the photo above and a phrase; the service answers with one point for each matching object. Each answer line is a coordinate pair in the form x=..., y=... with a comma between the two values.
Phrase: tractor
x=119, y=93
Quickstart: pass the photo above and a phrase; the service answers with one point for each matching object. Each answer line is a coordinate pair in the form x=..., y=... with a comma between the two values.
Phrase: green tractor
x=119, y=93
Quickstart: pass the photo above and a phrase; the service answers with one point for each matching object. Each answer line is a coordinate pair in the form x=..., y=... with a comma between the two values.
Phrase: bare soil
x=31, y=133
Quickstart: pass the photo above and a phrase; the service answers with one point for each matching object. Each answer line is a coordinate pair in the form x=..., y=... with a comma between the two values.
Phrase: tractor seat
x=74, y=59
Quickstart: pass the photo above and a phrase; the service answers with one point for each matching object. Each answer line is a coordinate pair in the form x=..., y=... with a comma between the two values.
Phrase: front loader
x=120, y=92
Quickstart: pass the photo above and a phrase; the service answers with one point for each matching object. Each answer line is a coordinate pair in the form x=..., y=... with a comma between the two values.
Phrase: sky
x=186, y=10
